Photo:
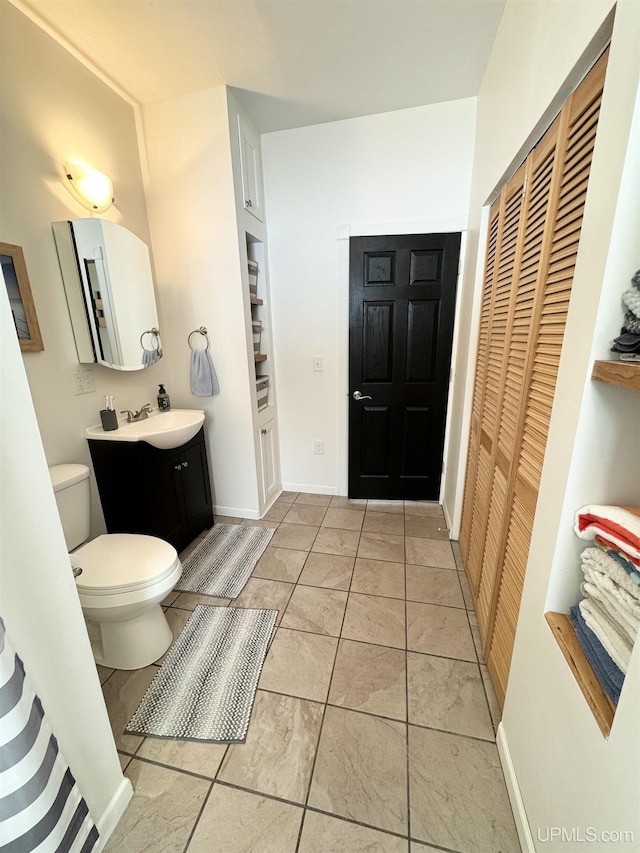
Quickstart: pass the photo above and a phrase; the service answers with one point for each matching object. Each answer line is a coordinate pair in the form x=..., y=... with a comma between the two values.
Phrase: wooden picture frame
x=23, y=310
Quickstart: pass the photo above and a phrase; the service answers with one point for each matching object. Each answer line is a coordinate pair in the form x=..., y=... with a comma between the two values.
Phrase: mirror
x=107, y=280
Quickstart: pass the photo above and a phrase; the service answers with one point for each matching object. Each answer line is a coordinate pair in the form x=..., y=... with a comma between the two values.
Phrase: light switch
x=318, y=365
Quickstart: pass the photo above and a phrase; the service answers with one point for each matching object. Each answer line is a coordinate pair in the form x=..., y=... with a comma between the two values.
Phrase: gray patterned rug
x=222, y=562
x=205, y=688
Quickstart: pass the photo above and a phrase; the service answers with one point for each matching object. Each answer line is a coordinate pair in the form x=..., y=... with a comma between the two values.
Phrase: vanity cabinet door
x=163, y=493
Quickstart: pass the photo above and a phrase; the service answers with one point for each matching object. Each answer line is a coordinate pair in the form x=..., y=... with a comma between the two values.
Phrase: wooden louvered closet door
x=533, y=235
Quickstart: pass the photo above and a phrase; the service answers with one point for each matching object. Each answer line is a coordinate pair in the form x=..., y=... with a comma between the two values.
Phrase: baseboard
x=513, y=790
x=310, y=490
x=235, y=512
x=110, y=817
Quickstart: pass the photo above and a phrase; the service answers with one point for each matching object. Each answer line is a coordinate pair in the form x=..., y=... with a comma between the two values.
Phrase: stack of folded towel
x=607, y=619
x=628, y=341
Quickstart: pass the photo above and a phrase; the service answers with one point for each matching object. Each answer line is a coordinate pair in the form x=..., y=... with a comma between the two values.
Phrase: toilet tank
x=71, y=486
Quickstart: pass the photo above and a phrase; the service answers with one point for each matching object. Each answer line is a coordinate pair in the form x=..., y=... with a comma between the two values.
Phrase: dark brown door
x=402, y=303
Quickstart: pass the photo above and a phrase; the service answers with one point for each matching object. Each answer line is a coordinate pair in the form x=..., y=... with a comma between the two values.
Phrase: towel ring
x=155, y=337
x=201, y=331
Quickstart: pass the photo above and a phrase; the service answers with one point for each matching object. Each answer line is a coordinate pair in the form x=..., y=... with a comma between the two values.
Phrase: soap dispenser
x=164, y=403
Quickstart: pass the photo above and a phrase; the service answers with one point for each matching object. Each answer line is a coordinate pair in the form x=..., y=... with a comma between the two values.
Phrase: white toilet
x=124, y=578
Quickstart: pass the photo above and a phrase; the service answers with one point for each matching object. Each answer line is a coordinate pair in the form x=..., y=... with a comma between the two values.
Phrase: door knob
x=358, y=395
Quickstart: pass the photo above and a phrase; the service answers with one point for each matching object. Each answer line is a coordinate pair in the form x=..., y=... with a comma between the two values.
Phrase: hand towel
x=624, y=623
x=631, y=567
x=150, y=356
x=204, y=382
x=620, y=525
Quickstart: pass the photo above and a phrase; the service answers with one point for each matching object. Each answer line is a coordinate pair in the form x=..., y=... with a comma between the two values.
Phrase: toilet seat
x=122, y=563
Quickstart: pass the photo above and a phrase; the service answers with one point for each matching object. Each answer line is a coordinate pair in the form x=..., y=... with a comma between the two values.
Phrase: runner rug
x=222, y=562
x=206, y=686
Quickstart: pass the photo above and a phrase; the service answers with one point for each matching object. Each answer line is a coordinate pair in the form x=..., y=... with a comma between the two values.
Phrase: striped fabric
x=41, y=808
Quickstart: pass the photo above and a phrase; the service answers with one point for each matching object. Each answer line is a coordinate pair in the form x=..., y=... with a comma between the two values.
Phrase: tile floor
x=374, y=722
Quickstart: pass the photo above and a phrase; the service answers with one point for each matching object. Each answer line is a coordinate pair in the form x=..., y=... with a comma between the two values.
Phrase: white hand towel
x=204, y=382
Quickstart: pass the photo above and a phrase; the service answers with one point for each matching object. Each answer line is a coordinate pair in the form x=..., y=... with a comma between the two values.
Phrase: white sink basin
x=164, y=430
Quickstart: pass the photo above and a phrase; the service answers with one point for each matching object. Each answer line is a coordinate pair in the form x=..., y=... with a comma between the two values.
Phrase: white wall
x=402, y=172
x=192, y=214
x=562, y=771
x=55, y=110
x=38, y=598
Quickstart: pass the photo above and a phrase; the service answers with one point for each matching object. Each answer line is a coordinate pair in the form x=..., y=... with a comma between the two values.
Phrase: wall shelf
x=625, y=374
x=260, y=357
x=256, y=301
x=601, y=706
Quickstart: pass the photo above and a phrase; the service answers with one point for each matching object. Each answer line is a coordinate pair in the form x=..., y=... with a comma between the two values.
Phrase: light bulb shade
x=91, y=188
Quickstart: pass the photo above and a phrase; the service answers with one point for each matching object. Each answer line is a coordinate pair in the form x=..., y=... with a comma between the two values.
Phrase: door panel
x=402, y=302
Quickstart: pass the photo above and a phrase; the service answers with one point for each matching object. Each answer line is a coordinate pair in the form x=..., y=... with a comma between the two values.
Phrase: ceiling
x=294, y=62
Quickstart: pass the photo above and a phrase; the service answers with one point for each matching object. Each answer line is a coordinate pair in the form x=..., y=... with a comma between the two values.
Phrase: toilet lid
x=122, y=562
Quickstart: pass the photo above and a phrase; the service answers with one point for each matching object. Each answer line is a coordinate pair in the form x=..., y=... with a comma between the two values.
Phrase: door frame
x=396, y=229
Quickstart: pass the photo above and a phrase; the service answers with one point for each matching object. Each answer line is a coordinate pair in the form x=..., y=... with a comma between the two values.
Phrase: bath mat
x=205, y=688
x=222, y=562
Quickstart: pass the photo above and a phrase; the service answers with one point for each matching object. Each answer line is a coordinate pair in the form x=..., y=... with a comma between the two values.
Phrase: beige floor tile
x=333, y=541
x=429, y=508
x=277, y=512
x=458, y=796
x=324, y=834
x=297, y=536
x=104, y=672
x=239, y=822
x=162, y=813
x=384, y=522
x=424, y=527
x=265, y=595
x=122, y=694
x=228, y=519
x=434, y=586
x=277, y=757
x=447, y=694
x=124, y=761
x=280, y=564
x=436, y=630
x=313, y=500
x=168, y=600
x=370, y=678
x=287, y=497
x=314, y=609
x=374, y=619
x=344, y=519
x=475, y=633
x=305, y=514
x=382, y=546
x=466, y=591
x=385, y=506
x=378, y=577
x=429, y=552
x=197, y=757
x=340, y=502
x=177, y=619
x=299, y=664
x=190, y=600
x=261, y=522
x=419, y=847
x=329, y=570
x=361, y=770
x=457, y=554
x=492, y=699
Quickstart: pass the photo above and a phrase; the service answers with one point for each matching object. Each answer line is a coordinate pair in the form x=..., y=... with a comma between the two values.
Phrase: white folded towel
x=618, y=647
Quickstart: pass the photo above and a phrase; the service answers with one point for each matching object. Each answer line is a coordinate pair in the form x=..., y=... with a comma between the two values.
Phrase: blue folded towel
x=204, y=382
x=608, y=674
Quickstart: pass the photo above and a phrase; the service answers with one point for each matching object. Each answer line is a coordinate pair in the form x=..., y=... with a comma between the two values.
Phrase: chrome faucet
x=140, y=415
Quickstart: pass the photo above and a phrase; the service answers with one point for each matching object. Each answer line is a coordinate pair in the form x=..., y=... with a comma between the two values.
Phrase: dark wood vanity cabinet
x=164, y=493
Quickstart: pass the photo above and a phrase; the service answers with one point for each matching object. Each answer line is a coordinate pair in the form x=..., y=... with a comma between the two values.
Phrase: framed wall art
x=23, y=310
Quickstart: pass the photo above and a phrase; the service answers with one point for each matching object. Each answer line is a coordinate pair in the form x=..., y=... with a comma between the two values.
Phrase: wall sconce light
x=88, y=186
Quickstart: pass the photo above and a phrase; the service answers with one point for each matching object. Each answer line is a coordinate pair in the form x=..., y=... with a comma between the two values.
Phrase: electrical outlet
x=318, y=448
x=318, y=364
x=83, y=382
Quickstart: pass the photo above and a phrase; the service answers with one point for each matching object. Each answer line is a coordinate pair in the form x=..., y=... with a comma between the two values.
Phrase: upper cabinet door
x=251, y=166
